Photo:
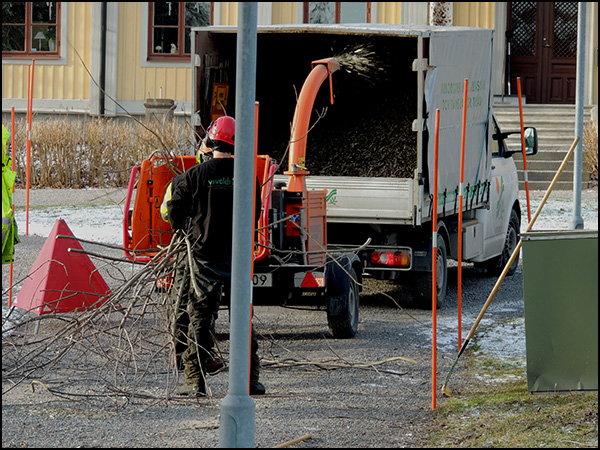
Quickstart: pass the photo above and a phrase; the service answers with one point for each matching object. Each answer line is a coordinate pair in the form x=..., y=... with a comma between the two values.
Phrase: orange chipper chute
x=322, y=69
x=307, y=209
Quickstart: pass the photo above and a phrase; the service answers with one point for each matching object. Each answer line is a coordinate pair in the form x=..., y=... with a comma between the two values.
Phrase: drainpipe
x=102, y=57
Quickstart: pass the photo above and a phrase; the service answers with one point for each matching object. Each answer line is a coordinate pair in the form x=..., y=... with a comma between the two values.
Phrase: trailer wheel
x=421, y=286
x=342, y=297
x=495, y=266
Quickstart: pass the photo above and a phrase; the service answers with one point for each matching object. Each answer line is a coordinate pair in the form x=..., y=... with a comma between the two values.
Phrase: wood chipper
x=291, y=259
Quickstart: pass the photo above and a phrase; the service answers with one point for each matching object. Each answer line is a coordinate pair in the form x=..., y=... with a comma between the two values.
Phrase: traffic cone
x=60, y=281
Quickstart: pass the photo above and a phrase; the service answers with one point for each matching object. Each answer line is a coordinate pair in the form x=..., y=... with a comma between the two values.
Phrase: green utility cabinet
x=560, y=287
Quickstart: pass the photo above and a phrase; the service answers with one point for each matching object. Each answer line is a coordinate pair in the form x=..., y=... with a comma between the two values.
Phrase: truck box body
x=370, y=140
x=372, y=150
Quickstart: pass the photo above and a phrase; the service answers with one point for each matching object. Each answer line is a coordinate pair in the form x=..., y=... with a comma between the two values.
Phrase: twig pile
x=113, y=346
x=122, y=350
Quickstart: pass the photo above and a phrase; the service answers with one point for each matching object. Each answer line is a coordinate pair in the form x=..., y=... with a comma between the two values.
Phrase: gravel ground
x=371, y=391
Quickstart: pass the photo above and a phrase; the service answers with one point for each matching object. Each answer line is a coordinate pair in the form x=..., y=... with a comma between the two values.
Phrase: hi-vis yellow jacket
x=9, y=225
x=164, y=213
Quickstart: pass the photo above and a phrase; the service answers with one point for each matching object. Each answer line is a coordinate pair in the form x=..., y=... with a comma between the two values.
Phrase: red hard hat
x=223, y=129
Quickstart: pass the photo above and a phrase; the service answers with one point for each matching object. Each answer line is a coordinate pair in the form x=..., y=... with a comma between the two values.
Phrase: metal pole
x=237, y=422
x=103, y=57
x=577, y=221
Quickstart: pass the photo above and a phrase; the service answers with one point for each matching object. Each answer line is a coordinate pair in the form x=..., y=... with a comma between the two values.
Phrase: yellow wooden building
x=133, y=51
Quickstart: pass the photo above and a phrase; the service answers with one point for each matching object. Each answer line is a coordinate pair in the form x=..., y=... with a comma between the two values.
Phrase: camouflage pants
x=196, y=315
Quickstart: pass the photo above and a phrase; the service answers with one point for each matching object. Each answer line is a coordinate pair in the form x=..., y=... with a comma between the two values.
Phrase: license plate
x=262, y=280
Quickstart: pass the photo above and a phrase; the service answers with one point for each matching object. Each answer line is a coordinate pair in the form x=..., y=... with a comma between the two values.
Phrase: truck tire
x=421, y=285
x=495, y=266
x=342, y=297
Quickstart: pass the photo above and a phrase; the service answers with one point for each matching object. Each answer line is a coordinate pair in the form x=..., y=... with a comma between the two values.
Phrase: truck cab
x=501, y=220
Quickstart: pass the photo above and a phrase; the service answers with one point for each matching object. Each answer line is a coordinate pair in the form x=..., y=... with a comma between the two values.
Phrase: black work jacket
x=204, y=193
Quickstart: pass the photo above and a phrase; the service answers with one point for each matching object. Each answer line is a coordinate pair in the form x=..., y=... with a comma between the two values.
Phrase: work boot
x=214, y=365
x=257, y=388
x=192, y=390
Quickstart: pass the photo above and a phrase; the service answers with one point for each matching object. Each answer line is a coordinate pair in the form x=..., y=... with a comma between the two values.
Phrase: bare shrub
x=590, y=151
x=97, y=152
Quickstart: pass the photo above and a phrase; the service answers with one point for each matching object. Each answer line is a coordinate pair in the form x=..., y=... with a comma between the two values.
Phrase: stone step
x=545, y=144
x=548, y=155
x=543, y=165
x=561, y=185
x=555, y=124
x=539, y=117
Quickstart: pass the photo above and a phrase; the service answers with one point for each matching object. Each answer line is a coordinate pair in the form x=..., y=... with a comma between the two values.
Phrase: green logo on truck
x=331, y=198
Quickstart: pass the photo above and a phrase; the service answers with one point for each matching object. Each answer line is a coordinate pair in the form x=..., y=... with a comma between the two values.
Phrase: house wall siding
x=389, y=12
x=65, y=84
x=284, y=12
x=474, y=14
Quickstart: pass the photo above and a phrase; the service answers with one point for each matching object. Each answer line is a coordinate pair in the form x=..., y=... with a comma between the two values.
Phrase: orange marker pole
x=29, y=120
x=460, y=211
x=253, y=222
x=523, y=148
x=255, y=170
x=434, y=262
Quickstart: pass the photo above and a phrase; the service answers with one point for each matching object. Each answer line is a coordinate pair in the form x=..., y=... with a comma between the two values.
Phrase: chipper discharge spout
x=306, y=209
x=322, y=69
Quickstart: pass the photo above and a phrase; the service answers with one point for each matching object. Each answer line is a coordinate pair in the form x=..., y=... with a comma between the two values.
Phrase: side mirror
x=531, y=144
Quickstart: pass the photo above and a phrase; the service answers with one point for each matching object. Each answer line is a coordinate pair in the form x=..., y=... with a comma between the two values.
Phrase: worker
x=9, y=225
x=181, y=318
x=204, y=194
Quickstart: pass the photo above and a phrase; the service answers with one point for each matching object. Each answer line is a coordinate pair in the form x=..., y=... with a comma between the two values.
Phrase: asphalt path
x=374, y=390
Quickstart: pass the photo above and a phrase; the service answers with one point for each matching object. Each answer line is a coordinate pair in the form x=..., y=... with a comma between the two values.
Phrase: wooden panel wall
x=474, y=14
x=389, y=12
x=284, y=12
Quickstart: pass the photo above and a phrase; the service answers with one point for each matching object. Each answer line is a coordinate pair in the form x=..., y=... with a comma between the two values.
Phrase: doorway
x=542, y=51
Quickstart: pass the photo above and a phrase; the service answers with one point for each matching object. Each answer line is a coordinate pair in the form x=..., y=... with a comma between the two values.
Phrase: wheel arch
x=517, y=208
x=444, y=233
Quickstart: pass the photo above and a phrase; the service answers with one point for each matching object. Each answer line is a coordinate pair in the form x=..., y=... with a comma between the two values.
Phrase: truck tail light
x=396, y=259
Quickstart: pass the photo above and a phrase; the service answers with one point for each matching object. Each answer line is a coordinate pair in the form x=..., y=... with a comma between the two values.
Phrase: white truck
x=372, y=149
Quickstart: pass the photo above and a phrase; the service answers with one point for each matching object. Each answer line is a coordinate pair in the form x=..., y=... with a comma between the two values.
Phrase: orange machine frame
x=144, y=230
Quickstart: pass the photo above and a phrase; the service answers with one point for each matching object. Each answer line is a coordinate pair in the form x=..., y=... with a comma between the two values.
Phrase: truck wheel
x=421, y=286
x=342, y=297
x=495, y=266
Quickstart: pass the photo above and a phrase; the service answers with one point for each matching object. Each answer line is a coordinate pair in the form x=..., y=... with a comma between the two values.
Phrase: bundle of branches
x=117, y=346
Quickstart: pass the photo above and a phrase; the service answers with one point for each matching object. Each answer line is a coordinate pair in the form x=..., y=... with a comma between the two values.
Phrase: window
x=30, y=29
x=169, y=28
x=337, y=12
